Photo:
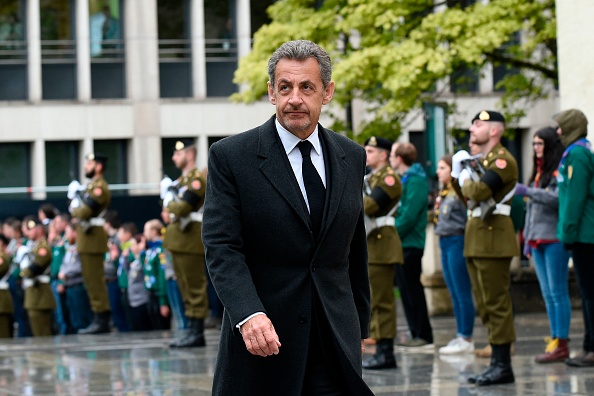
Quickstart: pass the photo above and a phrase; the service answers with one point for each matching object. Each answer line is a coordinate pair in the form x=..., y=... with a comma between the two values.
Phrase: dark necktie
x=314, y=187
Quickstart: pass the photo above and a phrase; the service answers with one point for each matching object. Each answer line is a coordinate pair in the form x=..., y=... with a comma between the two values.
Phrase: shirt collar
x=290, y=141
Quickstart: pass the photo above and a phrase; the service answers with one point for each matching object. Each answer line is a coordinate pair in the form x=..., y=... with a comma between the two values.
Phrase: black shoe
x=499, y=374
x=194, y=337
x=100, y=324
x=383, y=357
x=584, y=360
x=472, y=379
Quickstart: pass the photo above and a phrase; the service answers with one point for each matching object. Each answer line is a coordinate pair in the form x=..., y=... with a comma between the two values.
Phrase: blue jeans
x=551, y=264
x=176, y=304
x=60, y=313
x=79, y=307
x=118, y=313
x=458, y=282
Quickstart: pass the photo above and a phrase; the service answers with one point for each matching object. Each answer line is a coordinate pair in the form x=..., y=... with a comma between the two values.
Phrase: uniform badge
x=97, y=191
x=501, y=163
x=162, y=258
x=484, y=116
x=390, y=180
x=569, y=171
x=490, y=155
x=42, y=252
x=196, y=184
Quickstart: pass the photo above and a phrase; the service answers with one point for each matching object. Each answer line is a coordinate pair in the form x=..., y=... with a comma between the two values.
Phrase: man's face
x=479, y=132
x=59, y=224
x=375, y=157
x=90, y=169
x=394, y=160
x=180, y=158
x=299, y=95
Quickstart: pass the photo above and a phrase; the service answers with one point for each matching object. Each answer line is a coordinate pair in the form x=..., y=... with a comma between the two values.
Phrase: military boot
x=500, y=370
x=383, y=358
x=100, y=324
x=194, y=336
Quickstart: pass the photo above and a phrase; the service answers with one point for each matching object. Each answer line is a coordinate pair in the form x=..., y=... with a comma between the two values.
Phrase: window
x=464, y=80
x=61, y=164
x=502, y=70
x=258, y=14
x=107, y=49
x=116, y=170
x=15, y=167
x=13, y=51
x=221, y=47
x=175, y=61
x=58, y=49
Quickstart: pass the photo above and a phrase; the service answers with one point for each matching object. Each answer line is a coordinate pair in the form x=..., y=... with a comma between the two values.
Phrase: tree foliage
x=392, y=53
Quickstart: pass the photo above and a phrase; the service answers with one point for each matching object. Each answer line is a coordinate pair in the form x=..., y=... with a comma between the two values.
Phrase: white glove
x=74, y=203
x=457, y=162
x=464, y=175
x=164, y=185
x=73, y=187
x=168, y=197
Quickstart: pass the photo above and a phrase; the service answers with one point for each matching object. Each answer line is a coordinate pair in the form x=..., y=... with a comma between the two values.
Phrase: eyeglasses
x=538, y=143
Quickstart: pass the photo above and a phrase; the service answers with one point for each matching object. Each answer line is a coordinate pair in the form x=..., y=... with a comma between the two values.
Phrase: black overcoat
x=262, y=256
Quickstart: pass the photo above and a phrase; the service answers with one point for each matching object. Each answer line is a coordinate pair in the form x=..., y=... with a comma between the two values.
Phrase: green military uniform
x=92, y=242
x=185, y=244
x=39, y=299
x=6, y=306
x=490, y=244
x=384, y=249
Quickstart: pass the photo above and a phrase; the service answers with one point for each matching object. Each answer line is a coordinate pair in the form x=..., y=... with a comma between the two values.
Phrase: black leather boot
x=383, y=357
x=100, y=324
x=194, y=336
x=472, y=379
x=500, y=370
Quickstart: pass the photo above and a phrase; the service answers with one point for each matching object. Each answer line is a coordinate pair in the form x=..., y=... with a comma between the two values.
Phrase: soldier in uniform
x=490, y=241
x=35, y=270
x=91, y=239
x=6, y=307
x=383, y=190
x=183, y=239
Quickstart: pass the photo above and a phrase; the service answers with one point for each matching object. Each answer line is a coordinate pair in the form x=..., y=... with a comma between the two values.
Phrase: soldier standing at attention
x=183, y=238
x=6, y=306
x=39, y=300
x=88, y=208
x=490, y=241
x=383, y=190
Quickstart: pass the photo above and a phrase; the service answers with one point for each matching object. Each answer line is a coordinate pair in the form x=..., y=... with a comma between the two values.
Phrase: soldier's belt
x=196, y=216
x=4, y=286
x=97, y=221
x=500, y=209
x=378, y=222
x=28, y=282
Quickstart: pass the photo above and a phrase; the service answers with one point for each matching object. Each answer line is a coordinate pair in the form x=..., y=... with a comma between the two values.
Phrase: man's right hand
x=260, y=337
x=457, y=162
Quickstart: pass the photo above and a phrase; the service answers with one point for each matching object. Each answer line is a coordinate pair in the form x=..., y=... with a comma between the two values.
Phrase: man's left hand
x=260, y=337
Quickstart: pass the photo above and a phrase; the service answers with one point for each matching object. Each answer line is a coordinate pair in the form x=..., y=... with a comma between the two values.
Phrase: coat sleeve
x=222, y=235
x=577, y=189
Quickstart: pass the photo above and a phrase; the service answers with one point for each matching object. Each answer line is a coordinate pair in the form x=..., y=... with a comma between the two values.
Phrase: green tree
x=392, y=53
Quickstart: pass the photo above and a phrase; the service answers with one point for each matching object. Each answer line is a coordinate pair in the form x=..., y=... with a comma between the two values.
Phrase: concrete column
x=38, y=167
x=34, y=50
x=574, y=56
x=202, y=152
x=198, y=45
x=244, y=31
x=486, y=79
x=83, y=52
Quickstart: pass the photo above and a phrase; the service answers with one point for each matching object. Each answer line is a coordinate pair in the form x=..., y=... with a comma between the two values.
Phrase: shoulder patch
x=501, y=163
x=196, y=184
x=97, y=191
x=42, y=252
x=390, y=180
x=569, y=171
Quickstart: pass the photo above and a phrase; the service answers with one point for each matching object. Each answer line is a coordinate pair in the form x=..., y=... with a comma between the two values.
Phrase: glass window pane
x=258, y=13
x=221, y=47
x=61, y=164
x=13, y=51
x=15, y=167
x=116, y=170
x=464, y=80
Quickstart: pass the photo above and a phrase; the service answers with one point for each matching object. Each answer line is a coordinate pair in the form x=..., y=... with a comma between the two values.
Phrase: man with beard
x=490, y=241
x=183, y=240
x=89, y=207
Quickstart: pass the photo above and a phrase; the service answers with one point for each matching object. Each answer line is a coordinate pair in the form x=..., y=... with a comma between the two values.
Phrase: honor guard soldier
x=35, y=270
x=182, y=200
x=490, y=241
x=382, y=192
x=88, y=205
x=6, y=305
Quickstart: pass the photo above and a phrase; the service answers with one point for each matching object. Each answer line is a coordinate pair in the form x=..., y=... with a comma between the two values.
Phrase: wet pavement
x=142, y=364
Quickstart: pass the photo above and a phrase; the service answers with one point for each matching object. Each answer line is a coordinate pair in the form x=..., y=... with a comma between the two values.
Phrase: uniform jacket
x=6, y=306
x=383, y=244
x=576, y=196
x=411, y=218
x=494, y=237
x=39, y=296
x=262, y=256
x=96, y=199
x=191, y=191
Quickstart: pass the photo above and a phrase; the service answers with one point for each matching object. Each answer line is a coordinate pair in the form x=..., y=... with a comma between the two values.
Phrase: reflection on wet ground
x=142, y=364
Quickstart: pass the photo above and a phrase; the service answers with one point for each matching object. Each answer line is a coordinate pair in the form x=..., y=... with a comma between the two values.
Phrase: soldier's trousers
x=94, y=280
x=383, y=301
x=41, y=321
x=191, y=279
x=490, y=286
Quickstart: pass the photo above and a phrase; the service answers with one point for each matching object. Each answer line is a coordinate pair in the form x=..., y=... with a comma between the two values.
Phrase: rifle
x=475, y=169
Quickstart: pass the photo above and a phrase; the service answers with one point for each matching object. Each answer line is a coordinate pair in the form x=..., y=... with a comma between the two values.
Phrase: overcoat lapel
x=275, y=170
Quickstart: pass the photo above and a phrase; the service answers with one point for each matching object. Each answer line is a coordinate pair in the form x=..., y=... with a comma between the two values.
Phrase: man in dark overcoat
x=285, y=243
